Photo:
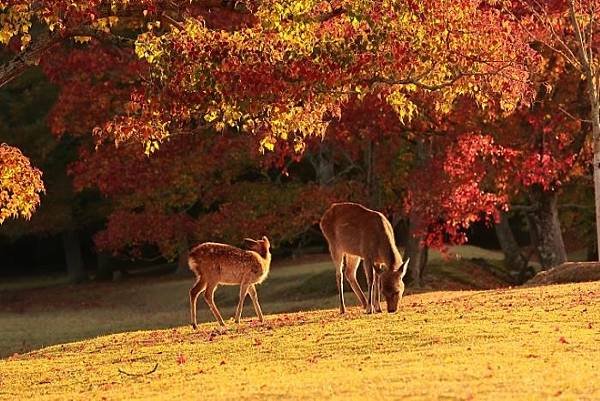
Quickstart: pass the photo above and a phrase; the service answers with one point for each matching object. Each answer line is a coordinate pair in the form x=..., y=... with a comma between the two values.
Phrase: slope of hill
x=521, y=344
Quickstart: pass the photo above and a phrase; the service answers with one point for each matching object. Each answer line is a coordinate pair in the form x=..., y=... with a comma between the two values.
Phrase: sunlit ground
x=520, y=344
x=31, y=318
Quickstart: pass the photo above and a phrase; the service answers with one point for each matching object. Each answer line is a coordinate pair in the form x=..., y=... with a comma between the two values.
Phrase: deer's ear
x=404, y=268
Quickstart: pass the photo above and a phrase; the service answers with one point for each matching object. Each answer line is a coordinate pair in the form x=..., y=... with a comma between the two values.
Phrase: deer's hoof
x=194, y=326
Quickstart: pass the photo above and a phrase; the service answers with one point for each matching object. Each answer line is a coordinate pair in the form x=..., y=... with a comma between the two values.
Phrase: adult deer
x=354, y=232
x=215, y=264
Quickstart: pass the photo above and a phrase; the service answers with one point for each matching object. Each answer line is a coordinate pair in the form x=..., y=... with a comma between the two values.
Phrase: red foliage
x=461, y=184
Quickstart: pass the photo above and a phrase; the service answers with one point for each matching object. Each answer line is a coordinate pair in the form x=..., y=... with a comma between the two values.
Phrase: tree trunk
x=417, y=252
x=182, y=256
x=73, y=258
x=596, y=166
x=544, y=228
x=104, y=269
x=514, y=259
x=586, y=60
x=323, y=166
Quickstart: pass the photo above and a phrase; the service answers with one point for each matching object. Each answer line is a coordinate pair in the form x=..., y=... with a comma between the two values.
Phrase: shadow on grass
x=36, y=318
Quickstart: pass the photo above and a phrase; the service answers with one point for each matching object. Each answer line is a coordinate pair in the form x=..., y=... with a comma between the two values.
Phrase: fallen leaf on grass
x=181, y=359
x=563, y=340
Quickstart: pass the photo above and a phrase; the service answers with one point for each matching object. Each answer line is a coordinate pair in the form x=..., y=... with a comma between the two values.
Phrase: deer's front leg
x=243, y=292
x=371, y=280
x=377, y=302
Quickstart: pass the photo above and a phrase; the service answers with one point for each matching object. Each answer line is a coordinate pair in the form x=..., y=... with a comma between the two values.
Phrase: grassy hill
x=521, y=344
x=31, y=318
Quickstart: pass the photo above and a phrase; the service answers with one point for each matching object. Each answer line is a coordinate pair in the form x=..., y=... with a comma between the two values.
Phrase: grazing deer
x=354, y=232
x=215, y=264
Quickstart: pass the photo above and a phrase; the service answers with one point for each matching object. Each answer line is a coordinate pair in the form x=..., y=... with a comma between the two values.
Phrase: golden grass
x=521, y=344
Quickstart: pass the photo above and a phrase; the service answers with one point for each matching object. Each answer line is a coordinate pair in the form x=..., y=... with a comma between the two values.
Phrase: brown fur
x=215, y=264
x=354, y=232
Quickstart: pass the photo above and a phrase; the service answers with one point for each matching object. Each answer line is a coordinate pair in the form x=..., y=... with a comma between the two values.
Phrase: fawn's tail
x=193, y=265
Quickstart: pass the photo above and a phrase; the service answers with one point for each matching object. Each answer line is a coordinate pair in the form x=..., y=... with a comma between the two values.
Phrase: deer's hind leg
x=199, y=286
x=350, y=269
x=338, y=261
x=254, y=298
x=372, y=281
x=209, y=297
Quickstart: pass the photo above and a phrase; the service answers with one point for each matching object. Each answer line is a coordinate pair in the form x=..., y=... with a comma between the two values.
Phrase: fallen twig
x=139, y=374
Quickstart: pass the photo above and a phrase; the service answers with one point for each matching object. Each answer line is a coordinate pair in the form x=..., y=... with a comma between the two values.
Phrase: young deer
x=215, y=264
x=354, y=232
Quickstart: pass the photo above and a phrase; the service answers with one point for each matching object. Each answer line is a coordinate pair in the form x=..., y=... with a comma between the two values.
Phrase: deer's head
x=392, y=286
x=260, y=246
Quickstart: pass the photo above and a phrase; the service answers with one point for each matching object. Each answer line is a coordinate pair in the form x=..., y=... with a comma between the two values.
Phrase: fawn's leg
x=209, y=297
x=199, y=286
x=254, y=298
x=243, y=292
x=352, y=263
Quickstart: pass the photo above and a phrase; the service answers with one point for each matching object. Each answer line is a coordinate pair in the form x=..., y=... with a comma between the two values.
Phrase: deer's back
x=227, y=264
x=353, y=229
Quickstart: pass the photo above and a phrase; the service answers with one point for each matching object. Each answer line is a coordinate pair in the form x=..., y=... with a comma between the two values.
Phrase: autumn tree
x=208, y=70
x=569, y=29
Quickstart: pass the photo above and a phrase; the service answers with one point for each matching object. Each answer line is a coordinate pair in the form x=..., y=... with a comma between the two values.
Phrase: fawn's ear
x=266, y=240
x=249, y=243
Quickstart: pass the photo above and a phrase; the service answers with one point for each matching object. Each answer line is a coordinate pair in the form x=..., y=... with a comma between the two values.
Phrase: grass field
x=31, y=318
x=540, y=343
x=520, y=344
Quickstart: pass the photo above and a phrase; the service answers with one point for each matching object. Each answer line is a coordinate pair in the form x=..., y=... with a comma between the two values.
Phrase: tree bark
x=418, y=255
x=104, y=270
x=73, y=258
x=324, y=166
x=595, y=114
x=514, y=259
x=544, y=227
x=416, y=251
x=586, y=59
x=182, y=255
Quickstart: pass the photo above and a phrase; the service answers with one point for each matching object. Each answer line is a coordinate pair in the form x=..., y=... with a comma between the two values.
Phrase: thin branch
x=575, y=206
x=564, y=111
x=139, y=374
x=546, y=20
x=572, y=60
x=171, y=21
x=579, y=36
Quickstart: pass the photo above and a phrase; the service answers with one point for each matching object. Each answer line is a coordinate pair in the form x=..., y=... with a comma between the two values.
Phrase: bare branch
x=568, y=55
x=139, y=374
